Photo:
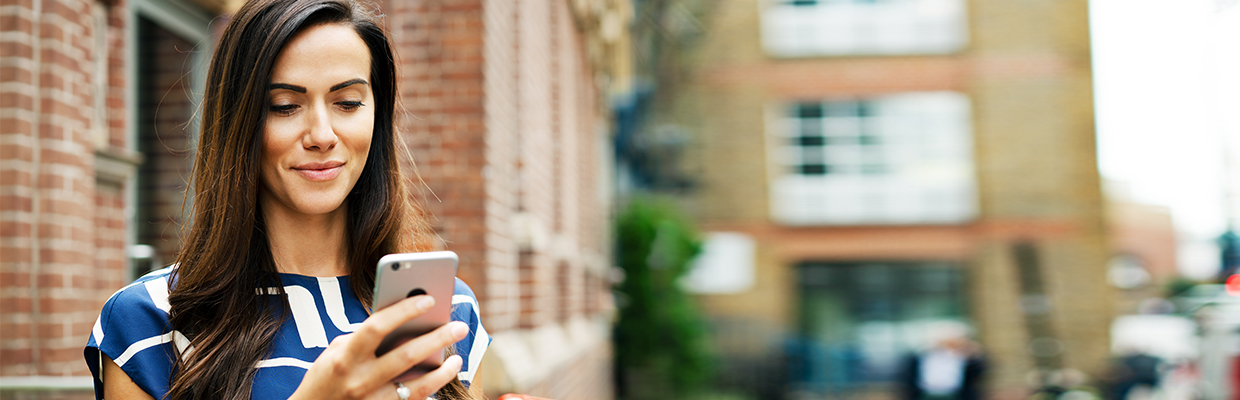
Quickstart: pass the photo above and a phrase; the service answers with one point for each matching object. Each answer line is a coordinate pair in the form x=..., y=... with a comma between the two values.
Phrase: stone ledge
x=42, y=383
x=521, y=359
x=115, y=164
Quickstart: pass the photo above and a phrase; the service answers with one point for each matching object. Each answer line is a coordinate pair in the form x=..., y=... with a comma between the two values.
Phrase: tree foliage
x=660, y=337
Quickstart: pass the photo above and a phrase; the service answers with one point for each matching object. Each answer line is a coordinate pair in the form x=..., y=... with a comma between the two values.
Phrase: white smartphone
x=405, y=275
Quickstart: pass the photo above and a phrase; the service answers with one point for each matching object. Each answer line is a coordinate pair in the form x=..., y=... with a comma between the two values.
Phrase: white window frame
x=863, y=27
x=924, y=143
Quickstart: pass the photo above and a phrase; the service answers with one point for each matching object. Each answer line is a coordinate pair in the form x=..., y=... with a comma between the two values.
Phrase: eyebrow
x=347, y=83
x=300, y=89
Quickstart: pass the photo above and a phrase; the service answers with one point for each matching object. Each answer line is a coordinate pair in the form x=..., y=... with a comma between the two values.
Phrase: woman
x=297, y=194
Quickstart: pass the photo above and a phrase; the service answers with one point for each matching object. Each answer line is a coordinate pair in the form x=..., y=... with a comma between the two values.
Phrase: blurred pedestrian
x=952, y=369
x=1136, y=370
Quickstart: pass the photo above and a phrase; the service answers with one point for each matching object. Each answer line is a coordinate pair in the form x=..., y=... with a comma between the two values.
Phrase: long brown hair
x=225, y=257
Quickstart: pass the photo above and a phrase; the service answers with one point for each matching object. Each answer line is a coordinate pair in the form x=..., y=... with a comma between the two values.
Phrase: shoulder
x=463, y=289
x=137, y=306
x=471, y=349
x=465, y=305
x=133, y=330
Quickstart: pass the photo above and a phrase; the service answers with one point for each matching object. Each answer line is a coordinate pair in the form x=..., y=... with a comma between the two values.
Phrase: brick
x=13, y=257
x=12, y=178
x=64, y=354
x=16, y=356
x=51, y=280
x=17, y=100
x=51, y=305
x=17, y=49
x=14, y=229
x=14, y=333
x=14, y=73
x=15, y=305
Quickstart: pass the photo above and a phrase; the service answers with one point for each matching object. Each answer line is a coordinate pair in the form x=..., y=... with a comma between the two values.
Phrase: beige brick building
x=505, y=116
x=898, y=166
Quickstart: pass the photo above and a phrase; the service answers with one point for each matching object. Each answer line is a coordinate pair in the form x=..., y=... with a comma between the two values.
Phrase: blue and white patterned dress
x=133, y=331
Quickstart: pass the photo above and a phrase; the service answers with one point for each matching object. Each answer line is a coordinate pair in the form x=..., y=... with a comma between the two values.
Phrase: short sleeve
x=133, y=330
x=474, y=346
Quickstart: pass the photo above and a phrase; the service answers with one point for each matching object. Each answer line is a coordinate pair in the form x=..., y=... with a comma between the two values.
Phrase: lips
x=319, y=171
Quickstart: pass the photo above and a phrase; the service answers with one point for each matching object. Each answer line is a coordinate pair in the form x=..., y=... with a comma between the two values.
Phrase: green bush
x=661, y=343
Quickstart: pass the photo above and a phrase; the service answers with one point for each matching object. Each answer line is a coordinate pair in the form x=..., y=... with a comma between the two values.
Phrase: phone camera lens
x=415, y=292
x=396, y=267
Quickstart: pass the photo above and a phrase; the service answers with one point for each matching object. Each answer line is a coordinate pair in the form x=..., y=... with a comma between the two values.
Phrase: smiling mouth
x=319, y=172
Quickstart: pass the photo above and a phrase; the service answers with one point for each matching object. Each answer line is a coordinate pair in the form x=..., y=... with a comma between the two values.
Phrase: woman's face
x=319, y=125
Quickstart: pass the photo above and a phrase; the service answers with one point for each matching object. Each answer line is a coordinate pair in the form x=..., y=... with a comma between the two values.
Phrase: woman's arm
x=117, y=385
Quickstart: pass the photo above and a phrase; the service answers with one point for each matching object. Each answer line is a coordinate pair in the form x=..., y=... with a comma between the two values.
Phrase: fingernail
x=459, y=329
x=458, y=360
x=426, y=303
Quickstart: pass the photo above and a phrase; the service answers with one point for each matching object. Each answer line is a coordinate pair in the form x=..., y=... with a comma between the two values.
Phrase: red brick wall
x=538, y=153
x=504, y=126
x=499, y=66
x=61, y=224
x=111, y=228
x=439, y=49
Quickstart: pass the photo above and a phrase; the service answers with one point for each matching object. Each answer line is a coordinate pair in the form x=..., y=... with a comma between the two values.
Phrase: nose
x=320, y=136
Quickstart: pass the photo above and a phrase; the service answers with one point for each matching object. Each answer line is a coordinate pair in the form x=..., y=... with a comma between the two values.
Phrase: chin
x=318, y=205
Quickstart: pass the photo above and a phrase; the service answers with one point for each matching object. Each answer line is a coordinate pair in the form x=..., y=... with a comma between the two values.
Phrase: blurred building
x=506, y=118
x=876, y=173
x=1143, y=241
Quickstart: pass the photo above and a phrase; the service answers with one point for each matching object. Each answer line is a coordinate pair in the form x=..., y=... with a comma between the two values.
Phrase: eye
x=350, y=105
x=283, y=109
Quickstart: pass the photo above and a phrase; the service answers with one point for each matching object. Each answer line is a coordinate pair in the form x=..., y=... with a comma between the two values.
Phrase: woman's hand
x=348, y=369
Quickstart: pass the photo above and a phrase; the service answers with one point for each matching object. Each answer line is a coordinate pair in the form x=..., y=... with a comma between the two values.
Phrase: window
x=725, y=265
x=858, y=320
x=897, y=159
x=171, y=45
x=799, y=28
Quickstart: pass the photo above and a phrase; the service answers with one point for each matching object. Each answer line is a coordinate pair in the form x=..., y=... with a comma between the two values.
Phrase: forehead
x=323, y=52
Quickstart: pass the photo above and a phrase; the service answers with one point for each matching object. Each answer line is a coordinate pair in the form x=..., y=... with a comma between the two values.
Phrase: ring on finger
x=401, y=391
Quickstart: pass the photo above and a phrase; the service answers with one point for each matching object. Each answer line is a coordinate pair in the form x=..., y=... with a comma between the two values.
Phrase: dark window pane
x=809, y=110
x=811, y=140
x=865, y=109
x=862, y=300
x=813, y=169
x=801, y=3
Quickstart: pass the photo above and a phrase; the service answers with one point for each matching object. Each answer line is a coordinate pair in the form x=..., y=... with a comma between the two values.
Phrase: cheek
x=274, y=146
x=363, y=137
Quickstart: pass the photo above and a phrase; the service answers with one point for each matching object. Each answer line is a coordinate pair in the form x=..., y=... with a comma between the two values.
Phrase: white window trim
x=775, y=48
x=777, y=136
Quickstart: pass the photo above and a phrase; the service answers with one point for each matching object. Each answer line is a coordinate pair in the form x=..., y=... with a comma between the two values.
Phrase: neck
x=312, y=245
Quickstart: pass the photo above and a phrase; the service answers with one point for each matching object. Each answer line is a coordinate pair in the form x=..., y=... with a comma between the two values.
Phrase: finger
x=430, y=383
x=384, y=321
x=414, y=351
x=387, y=391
